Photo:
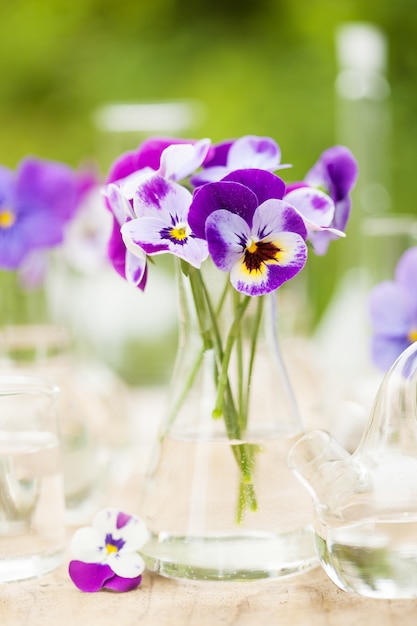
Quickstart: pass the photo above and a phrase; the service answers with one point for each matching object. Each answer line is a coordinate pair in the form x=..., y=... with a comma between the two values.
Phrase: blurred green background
x=266, y=67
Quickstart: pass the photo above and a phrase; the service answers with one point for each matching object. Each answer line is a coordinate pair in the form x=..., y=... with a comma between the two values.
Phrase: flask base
x=231, y=557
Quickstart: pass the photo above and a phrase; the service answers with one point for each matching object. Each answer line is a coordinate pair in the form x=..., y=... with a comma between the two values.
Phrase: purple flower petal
x=48, y=185
x=247, y=152
x=92, y=577
x=35, y=205
x=122, y=519
x=117, y=583
x=151, y=194
x=393, y=312
x=264, y=185
x=385, y=350
x=336, y=171
x=147, y=155
x=227, y=195
x=406, y=272
x=227, y=235
x=89, y=577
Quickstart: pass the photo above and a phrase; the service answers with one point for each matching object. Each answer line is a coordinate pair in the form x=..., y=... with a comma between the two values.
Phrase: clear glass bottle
x=219, y=501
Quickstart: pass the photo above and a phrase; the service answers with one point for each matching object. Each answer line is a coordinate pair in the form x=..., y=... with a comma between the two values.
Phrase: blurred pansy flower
x=246, y=152
x=36, y=203
x=250, y=231
x=139, y=173
x=393, y=312
x=107, y=554
x=335, y=174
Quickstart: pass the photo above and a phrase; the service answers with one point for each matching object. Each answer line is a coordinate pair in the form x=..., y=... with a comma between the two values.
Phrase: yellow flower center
x=252, y=247
x=111, y=548
x=7, y=218
x=179, y=233
x=412, y=335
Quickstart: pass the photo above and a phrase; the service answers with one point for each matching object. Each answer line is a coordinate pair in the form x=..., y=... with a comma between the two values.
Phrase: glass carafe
x=366, y=503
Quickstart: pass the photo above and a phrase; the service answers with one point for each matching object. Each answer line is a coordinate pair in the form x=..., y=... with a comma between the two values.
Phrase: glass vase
x=219, y=501
x=33, y=343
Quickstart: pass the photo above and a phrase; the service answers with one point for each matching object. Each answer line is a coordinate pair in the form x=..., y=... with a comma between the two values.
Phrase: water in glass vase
x=31, y=505
x=195, y=491
x=373, y=558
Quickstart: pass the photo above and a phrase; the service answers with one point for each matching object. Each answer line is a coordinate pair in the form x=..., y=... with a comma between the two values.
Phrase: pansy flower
x=36, y=203
x=335, y=174
x=162, y=224
x=248, y=152
x=393, y=312
x=169, y=159
x=107, y=554
x=250, y=231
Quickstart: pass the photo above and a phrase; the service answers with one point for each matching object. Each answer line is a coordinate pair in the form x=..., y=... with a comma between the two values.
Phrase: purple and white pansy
x=135, y=180
x=250, y=231
x=162, y=225
x=335, y=174
x=107, y=553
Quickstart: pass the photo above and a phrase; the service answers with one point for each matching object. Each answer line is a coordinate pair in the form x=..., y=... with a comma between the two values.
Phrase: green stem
x=207, y=321
x=253, y=346
x=223, y=380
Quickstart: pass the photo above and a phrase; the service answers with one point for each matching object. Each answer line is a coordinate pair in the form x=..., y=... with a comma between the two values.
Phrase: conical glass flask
x=366, y=503
x=220, y=501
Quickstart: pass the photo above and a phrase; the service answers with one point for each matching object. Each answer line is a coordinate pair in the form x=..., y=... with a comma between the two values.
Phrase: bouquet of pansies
x=229, y=206
x=223, y=205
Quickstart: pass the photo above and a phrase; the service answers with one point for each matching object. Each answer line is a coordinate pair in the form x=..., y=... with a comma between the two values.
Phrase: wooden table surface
x=308, y=599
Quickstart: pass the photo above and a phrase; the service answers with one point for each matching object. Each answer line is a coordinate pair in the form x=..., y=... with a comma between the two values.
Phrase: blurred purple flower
x=393, y=312
x=335, y=173
x=36, y=203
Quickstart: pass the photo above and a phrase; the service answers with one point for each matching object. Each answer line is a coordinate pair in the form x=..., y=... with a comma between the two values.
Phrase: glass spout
x=326, y=469
x=392, y=427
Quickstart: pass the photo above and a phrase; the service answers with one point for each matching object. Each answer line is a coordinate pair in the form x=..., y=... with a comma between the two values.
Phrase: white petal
x=316, y=207
x=88, y=545
x=126, y=565
x=129, y=184
x=119, y=204
x=244, y=152
x=180, y=160
x=135, y=534
x=135, y=266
